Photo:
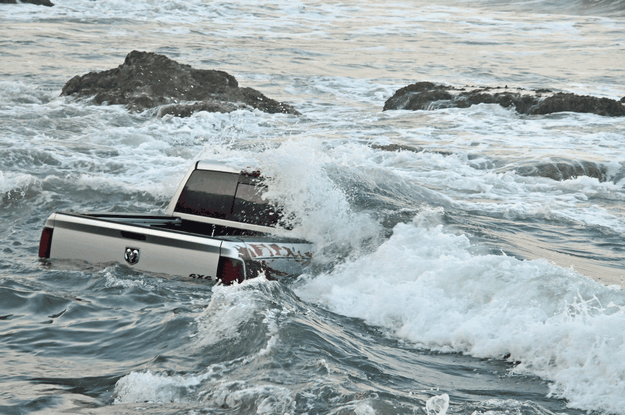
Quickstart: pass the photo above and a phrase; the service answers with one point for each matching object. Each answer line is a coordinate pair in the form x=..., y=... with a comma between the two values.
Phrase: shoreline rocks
x=430, y=96
x=148, y=80
x=47, y=3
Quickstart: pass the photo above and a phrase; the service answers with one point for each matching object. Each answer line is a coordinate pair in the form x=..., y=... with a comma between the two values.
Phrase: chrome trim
x=132, y=255
x=223, y=222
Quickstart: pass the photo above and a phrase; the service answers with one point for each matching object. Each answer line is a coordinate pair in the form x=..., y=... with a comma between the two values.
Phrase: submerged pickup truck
x=217, y=227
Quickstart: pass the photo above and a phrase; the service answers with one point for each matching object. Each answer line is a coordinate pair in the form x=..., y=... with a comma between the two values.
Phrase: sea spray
x=316, y=208
x=426, y=286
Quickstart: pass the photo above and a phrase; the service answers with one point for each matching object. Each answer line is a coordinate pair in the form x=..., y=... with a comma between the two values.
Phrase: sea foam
x=427, y=286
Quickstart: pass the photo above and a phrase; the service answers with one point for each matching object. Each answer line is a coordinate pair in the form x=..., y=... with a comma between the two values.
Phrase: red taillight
x=45, y=243
x=229, y=270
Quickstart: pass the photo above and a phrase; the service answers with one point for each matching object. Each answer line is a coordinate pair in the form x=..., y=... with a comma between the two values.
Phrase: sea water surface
x=477, y=270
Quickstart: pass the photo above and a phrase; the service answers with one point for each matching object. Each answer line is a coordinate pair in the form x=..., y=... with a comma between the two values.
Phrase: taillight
x=230, y=270
x=45, y=243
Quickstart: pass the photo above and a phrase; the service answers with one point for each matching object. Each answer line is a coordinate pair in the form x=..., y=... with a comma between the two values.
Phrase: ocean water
x=477, y=271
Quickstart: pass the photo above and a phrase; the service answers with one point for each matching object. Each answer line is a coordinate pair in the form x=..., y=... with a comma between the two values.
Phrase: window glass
x=208, y=193
x=212, y=194
x=249, y=206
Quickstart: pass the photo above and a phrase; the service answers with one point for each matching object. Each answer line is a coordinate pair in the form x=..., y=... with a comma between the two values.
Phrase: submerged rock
x=403, y=147
x=37, y=2
x=564, y=170
x=429, y=96
x=147, y=80
x=396, y=147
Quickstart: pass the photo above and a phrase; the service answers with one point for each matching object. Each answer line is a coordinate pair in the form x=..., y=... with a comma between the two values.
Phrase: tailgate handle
x=133, y=235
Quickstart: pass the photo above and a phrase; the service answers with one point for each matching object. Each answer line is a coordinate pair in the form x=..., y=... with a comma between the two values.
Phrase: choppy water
x=460, y=270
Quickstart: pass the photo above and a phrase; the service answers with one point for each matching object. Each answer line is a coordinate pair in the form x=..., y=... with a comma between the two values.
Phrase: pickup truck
x=217, y=227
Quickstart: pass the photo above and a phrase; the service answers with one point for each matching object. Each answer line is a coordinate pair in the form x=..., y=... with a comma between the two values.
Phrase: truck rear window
x=249, y=206
x=227, y=196
x=208, y=193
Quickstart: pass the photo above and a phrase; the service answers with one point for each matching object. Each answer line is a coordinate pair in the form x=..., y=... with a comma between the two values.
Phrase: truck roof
x=215, y=165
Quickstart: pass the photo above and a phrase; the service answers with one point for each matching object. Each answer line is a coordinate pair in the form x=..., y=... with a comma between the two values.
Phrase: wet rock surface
x=565, y=170
x=430, y=96
x=37, y=2
x=148, y=80
x=403, y=147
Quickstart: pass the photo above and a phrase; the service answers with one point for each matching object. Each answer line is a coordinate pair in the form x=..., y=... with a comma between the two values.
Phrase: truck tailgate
x=140, y=247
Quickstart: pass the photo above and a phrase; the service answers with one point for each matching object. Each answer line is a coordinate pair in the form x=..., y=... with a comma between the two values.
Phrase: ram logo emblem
x=131, y=255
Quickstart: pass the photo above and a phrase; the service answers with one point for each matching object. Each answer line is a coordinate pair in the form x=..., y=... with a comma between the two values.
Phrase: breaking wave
x=430, y=287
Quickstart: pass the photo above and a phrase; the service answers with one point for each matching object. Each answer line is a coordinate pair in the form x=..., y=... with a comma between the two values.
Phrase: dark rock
x=147, y=80
x=561, y=102
x=185, y=110
x=419, y=96
x=403, y=147
x=564, y=170
x=37, y=2
x=429, y=96
x=396, y=147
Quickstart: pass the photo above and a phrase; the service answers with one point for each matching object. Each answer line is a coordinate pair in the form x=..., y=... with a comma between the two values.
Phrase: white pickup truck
x=217, y=228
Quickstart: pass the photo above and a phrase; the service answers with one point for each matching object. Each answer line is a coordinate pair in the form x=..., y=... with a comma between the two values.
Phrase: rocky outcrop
x=37, y=2
x=148, y=80
x=429, y=96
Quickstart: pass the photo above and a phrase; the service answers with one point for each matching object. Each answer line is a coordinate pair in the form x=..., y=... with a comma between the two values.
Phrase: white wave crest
x=437, y=405
x=15, y=186
x=232, y=306
x=426, y=286
x=155, y=387
x=300, y=183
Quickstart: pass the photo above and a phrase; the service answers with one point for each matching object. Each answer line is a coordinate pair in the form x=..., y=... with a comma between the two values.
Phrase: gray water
x=464, y=270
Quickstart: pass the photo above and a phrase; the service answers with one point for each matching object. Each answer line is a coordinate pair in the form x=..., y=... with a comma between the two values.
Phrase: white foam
x=220, y=321
x=507, y=407
x=426, y=286
x=300, y=183
x=15, y=182
x=267, y=399
x=232, y=306
x=16, y=186
x=114, y=281
x=437, y=405
x=156, y=387
x=19, y=93
x=469, y=183
x=228, y=309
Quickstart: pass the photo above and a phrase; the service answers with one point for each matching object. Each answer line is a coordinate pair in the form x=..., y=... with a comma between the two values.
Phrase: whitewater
x=460, y=267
